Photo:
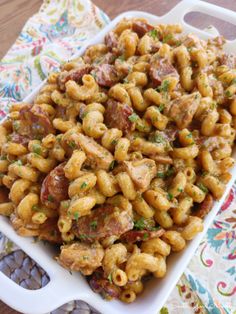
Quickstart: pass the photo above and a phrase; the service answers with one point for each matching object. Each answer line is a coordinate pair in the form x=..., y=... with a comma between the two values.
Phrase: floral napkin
x=53, y=35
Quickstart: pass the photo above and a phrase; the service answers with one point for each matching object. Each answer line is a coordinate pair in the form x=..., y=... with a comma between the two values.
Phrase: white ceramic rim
x=64, y=287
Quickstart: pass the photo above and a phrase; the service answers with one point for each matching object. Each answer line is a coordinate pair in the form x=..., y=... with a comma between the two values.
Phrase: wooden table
x=14, y=13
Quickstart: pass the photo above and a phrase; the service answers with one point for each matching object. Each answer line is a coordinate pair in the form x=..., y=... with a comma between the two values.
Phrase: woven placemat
x=24, y=271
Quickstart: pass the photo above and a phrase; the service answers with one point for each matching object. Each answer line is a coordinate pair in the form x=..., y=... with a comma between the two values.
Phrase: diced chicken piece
x=54, y=187
x=183, y=109
x=117, y=116
x=74, y=75
x=99, y=157
x=105, y=75
x=218, y=41
x=160, y=69
x=229, y=60
x=81, y=257
x=141, y=172
x=34, y=122
x=103, y=222
x=213, y=142
x=192, y=40
x=123, y=67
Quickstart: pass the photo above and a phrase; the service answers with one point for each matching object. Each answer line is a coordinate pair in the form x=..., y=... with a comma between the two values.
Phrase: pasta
x=122, y=153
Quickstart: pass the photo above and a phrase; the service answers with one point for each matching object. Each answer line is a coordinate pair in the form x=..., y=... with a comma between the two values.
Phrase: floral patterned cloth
x=54, y=34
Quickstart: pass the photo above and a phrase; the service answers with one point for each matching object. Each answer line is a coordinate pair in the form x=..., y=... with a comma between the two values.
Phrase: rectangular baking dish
x=63, y=286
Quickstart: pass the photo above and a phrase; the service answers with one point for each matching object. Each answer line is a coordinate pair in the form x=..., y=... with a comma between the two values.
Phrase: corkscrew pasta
x=122, y=153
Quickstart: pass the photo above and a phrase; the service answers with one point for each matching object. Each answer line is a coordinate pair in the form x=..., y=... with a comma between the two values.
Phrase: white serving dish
x=63, y=286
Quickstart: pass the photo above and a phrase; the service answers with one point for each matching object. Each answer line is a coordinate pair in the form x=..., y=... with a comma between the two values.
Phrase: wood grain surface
x=14, y=14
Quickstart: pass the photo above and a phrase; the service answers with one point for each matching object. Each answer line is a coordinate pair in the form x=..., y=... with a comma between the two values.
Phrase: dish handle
x=57, y=292
x=181, y=9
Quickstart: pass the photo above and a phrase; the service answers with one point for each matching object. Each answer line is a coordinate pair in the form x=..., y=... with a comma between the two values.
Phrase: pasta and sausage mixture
x=123, y=153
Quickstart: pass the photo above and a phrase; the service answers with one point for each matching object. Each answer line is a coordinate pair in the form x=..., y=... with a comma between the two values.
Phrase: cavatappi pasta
x=122, y=153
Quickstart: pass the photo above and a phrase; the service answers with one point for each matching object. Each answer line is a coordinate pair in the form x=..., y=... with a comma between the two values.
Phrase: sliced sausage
x=103, y=222
x=54, y=188
x=117, y=116
x=103, y=286
x=81, y=257
x=160, y=68
x=19, y=139
x=34, y=122
x=205, y=207
x=49, y=231
x=111, y=40
x=141, y=235
x=74, y=75
x=105, y=75
x=141, y=28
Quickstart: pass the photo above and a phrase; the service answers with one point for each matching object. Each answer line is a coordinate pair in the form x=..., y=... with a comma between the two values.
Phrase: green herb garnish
x=145, y=236
x=16, y=125
x=19, y=162
x=139, y=224
x=228, y=94
x=110, y=278
x=170, y=172
x=35, y=208
x=114, y=142
x=37, y=149
x=121, y=58
x=154, y=33
x=133, y=117
x=76, y=216
x=93, y=224
x=112, y=165
x=50, y=198
x=170, y=196
x=84, y=185
x=72, y=144
x=161, y=107
x=164, y=86
x=202, y=187
x=189, y=135
x=167, y=38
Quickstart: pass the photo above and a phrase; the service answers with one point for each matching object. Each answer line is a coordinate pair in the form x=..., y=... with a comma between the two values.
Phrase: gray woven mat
x=23, y=270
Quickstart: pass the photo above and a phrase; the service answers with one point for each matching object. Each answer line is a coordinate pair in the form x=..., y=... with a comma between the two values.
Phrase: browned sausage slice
x=55, y=187
x=117, y=116
x=103, y=286
x=74, y=75
x=141, y=235
x=105, y=75
x=160, y=68
x=141, y=28
x=103, y=222
x=205, y=207
x=34, y=122
x=111, y=40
